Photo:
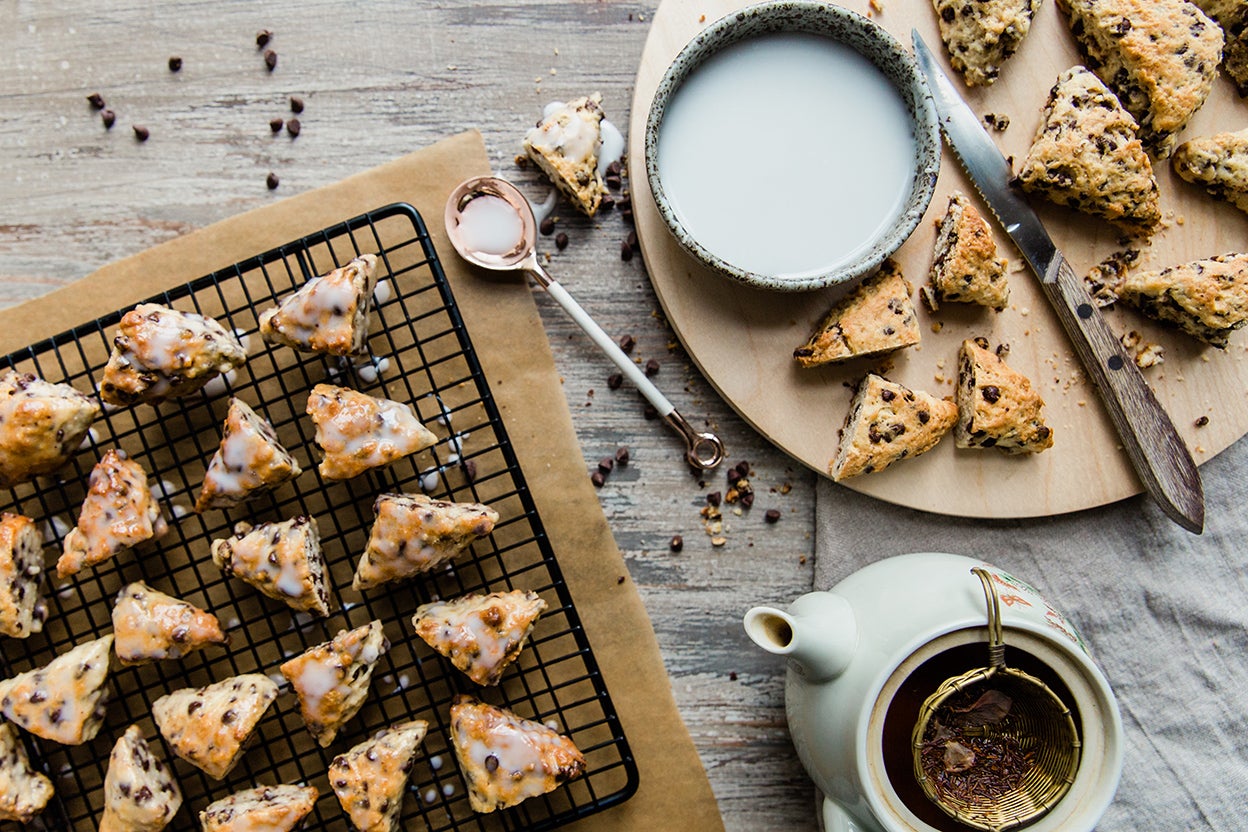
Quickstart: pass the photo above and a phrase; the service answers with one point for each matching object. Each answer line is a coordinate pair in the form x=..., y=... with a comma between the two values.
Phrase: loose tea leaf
x=989, y=709
x=958, y=757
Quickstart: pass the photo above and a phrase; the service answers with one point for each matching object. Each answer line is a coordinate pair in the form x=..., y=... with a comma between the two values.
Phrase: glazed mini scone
x=481, y=634
x=997, y=406
x=119, y=513
x=875, y=318
x=1159, y=56
x=358, y=432
x=1232, y=17
x=209, y=726
x=371, y=778
x=65, y=700
x=161, y=353
x=980, y=36
x=1207, y=299
x=1219, y=163
x=42, y=425
x=506, y=759
x=149, y=626
x=262, y=809
x=1087, y=155
x=331, y=679
x=24, y=792
x=22, y=608
x=283, y=560
x=888, y=422
x=140, y=794
x=565, y=145
x=249, y=461
x=965, y=267
x=414, y=534
x=329, y=314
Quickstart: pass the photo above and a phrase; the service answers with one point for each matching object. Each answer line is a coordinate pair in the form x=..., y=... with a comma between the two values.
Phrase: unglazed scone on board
x=414, y=534
x=980, y=36
x=876, y=317
x=965, y=265
x=328, y=314
x=209, y=727
x=888, y=422
x=22, y=608
x=1219, y=163
x=150, y=626
x=42, y=425
x=1232, y=17
x=65, y=700
x=262, y=809
x=24, y=791
x=371, y=779
x=249, y=461
x=997, y=405
x=565, y=145
x=140, y=792
x=357, y=432
x=283, y=560
x=1207, y=299
x=481, y=634
x=331, y=679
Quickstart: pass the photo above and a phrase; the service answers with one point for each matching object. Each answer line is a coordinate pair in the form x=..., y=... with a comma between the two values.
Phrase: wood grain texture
x=379, y=79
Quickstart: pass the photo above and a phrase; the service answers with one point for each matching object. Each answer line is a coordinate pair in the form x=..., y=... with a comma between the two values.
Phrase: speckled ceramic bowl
x=912, y=174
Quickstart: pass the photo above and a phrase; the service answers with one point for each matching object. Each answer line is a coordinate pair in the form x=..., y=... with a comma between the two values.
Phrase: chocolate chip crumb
x=631, y=239
x=606, y=465
x=561, y=241
x=615, y=381
x=607, y=203
x=296, y=104
x=293, y=127
x=175, y=64
x=597, y=479
x=276, y=124
x=270, y=59
x=677, y=543
x=141, y=133
x=747, y=499
x=1202, y=421
x=626, y=251
x=652, y=367
x=714, y=498
x=109, y=118
x=622, y=456
x=628, y=343
x=547, y=226
x=772, y=515
x=263, y=37
x=96, y=100
x=272, y=181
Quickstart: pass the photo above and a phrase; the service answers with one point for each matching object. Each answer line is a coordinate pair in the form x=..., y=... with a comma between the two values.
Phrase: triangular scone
x=65, y=700
x=331, y=679
x=283, y=560
x=209, y=726
x=480, y=634
x=1159, y=56
x=965, y=267
x=24, y=792
x=876, y=317
x=1086, y=155
x=981, y=35
x=140, y=794
x=997, y=406
x=248, y=462
x=506, y=759
x=262, y=809
x=329, y=314
x=161, y=353
x=22, y=608
x=149, y=626
x=888, y=422
x=565, y=145
x=1219, y=163
x=358, y=432
x=414, y=534
x=41, y=425
x=371, y=778
x=119, y=513
x=1232, y=17
x=1207, y=299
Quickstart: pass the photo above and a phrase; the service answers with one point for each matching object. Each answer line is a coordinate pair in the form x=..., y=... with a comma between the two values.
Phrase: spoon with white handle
x=491, y=224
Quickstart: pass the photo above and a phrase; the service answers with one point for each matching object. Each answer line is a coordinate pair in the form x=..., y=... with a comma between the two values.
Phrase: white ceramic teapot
x=863, y=657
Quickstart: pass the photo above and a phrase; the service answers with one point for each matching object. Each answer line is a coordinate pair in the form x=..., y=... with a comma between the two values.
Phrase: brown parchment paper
x=674, y=792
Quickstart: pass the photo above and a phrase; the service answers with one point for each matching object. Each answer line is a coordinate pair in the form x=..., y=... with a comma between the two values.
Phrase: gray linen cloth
x=1164, y=612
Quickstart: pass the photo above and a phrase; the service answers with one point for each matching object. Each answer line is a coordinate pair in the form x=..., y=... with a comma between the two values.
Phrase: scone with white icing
x=150, y=626
x=1232, y=17
x=965, y=267
x=262, y=809
x=328, y=314
x=980, y=36
x=65, y=700
x=888, y=422
x=119, y=513
x=565, y=145
x=357, y=432
x=414, y=534
x=506, y=759
x=481, y=634
x=371, y=778
x=249, y=461
x=42, y=425
x=876, y=317
x=24, y=791
x=1087, y=155
x=22, y=608
x=161, y=353
x=997, y=405
x=331, y=679
x=210, y=726
x=1219, y=163
x=140, y=794
x=1207, y=299
x=282, y=560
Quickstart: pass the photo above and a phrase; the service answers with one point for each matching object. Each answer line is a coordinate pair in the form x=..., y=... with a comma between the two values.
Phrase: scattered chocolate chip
x=652, y=367
x=96, y=100
x=276, y=124
x=626, y=251
x=624, y=203
x=547, y=226
x=677, y=543
x=613, y=181
x=293, y=127
x=714, y=498
x=772, y=515
x=627, y=215
x=597, y=479
x=1202, y=421
x=272, y=181
x=615, y=168
x=270, y=59
x=615, y=381
x=606, y=465
x=175, y=64
x=141, y=133
x=631, y=239
x=732, y=676
x=561, y=241
x=628, y=343
x=622, y=456
x=743, y=467
x=296, y=104
x=109, y=118
x=470, y=469
x=650, y=412
x=747, y=499
x=607, y=203
x=263, y=37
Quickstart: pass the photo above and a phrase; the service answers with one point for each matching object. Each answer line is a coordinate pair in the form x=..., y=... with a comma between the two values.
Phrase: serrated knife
x=1157, y=452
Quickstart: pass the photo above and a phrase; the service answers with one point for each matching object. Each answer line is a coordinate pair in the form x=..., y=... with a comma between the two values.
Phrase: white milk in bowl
x=787, y=154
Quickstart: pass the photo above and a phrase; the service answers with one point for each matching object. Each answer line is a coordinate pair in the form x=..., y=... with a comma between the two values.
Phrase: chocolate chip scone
x=140, y=794
x=965, y=266
x=371, y=778
x=876, y=317
x=209, y=726
x=329, y=313
x=65, y=700
x=565, y=145
x=481, y=634
x=22, y=608
x=981, y=35
x=1207, y=299
x=42, y=425
x=1219, y=163
x=24, y=791
x=358, y=432
x=149, y=626
x=997, y=406
x=1159, y=56
x=249, y=461
x=331, y=679
x=1232, y=17
x=1087, y=155
x=283, y=560
x=262, y=809
x=888, y=422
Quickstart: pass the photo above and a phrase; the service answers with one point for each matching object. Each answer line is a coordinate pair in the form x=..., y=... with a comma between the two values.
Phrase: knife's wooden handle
x=1157, y=452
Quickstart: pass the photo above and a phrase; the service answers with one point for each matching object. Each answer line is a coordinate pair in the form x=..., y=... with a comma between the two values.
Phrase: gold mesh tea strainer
x=995, y=748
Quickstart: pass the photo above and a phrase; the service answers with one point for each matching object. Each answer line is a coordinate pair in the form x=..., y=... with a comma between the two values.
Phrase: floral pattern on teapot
x=1009, y=589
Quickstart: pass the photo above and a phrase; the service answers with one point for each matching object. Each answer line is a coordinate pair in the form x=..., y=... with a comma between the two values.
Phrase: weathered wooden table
x=379, y=79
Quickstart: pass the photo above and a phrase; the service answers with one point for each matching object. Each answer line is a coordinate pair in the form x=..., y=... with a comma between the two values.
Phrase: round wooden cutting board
x=743, y=339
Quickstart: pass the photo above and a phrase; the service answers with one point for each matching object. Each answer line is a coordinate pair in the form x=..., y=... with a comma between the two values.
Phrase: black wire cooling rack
x=419, y=352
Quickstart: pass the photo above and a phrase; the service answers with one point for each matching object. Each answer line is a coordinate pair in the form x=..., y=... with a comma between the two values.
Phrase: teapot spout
x=819, y=633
